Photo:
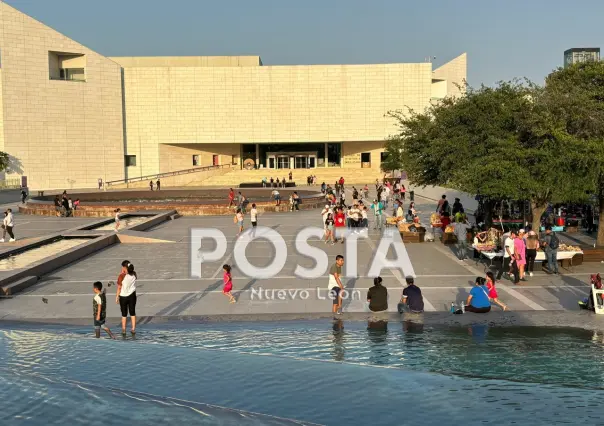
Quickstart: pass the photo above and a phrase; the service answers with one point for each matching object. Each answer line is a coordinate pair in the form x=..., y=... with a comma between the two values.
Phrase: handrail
x=167, y=174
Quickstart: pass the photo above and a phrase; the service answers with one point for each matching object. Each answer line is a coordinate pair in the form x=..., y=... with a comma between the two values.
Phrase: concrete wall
x=270, y=104
x=180, y=156
x=1, y=110
x=179, y=180
x=455, y=73
x=351, y=153
x=187, y=61
x=61, y=134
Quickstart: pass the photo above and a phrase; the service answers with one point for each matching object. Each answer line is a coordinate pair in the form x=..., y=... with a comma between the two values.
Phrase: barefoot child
x=99, y=309
x=228, y=283
x=117, y=219
x=493, y=291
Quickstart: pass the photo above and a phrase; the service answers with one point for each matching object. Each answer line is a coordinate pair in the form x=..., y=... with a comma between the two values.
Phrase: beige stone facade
x=69, y=115
x=59, y=133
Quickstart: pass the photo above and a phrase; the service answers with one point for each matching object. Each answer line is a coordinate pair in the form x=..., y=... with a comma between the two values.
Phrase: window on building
x=196, y=160
x=66, y=66
x=383, y=156
x=130, y=160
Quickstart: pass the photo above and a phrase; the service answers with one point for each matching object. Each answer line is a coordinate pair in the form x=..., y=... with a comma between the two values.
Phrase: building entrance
x=293, y=155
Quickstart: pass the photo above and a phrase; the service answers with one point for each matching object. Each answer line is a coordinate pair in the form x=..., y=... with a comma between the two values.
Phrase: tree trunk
x=488, y=212
x=537, y=209
x=600, y=237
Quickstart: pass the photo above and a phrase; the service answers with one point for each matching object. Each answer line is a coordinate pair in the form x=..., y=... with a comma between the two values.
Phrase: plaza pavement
x=165, y=287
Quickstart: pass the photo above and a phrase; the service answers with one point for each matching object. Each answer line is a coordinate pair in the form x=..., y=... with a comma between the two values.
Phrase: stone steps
x=352, y=176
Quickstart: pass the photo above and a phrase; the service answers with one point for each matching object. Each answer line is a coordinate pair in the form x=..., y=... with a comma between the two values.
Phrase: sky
x=503, y=39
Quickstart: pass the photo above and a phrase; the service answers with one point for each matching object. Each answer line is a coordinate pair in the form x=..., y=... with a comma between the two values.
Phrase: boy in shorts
x=99, y=310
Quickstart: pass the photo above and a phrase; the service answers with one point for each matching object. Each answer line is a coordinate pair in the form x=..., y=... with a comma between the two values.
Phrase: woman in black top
x=329, y=229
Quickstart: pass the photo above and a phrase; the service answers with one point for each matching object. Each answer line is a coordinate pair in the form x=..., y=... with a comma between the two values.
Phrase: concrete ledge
x=17, y=286
x=192, y=202
x=49, y=264
x=153, y=221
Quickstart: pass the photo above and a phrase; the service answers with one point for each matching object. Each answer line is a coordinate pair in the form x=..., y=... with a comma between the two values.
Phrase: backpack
x=554, y=242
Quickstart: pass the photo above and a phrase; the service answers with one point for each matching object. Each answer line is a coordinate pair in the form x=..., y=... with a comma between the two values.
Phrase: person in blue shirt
x=478, y=300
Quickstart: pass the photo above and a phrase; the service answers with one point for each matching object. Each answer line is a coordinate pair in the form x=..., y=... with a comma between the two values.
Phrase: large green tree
x=577, y=94
x=504, y=142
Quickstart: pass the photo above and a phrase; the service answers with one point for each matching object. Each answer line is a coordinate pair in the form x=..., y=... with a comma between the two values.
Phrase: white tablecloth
x=540, y=254
x=561, y=255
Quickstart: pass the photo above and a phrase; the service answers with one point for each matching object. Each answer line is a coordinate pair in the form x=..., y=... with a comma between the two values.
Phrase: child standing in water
x=117, y=219
x=99, y=310
x=228, y=283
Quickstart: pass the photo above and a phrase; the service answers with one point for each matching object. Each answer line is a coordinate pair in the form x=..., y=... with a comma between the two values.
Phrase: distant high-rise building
x=581, y=54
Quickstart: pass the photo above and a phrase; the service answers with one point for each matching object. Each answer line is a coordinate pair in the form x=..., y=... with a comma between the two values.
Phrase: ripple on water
x=221, y=364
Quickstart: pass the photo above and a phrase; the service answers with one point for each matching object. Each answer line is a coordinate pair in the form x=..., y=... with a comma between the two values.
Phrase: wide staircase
x=328, y=175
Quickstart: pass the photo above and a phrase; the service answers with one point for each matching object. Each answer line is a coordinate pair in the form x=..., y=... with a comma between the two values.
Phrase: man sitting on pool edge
x=478, y=300
x=412, y=298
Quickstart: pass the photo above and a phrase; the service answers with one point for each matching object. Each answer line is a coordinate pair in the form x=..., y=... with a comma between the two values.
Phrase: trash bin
x=411, y=195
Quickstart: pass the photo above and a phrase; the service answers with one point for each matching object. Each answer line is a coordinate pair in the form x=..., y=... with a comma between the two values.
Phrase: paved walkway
x=166, y=288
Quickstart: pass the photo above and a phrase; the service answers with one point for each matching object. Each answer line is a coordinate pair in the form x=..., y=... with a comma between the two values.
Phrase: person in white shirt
x=324, y=213
x=508, y=254
x=254, y=219
x=8, y=224
x=126, y=297
x=364, y=220
x=117, y=220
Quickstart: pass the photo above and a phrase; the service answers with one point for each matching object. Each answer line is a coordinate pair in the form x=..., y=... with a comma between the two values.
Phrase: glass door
x=312, y=161
x=283, y=162
x=301, y=162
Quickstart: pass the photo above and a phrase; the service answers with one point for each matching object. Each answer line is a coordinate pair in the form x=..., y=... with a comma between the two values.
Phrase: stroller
x=588, y=302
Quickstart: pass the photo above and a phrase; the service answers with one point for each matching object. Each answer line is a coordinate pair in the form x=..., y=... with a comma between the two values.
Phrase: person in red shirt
x=341, y=182
x=231, y=197
x=340, y=224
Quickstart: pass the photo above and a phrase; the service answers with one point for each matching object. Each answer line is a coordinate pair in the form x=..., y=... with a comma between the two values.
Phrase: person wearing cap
x=520, y=253
x=326, y=210
x=378, y=209
x=532, y=244
x=550, y=245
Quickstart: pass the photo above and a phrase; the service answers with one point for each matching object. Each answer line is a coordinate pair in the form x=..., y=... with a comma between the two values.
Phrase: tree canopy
x=506, y=142
x=577, y=94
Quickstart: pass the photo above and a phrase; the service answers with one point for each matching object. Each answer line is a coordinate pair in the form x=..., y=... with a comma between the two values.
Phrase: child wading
x=238, y=219
x=228, y=283
x=117, y=220
x=99, y=310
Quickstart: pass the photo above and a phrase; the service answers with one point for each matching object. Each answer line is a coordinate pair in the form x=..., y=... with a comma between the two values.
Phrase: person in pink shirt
x=228, y=283
x=520, y=253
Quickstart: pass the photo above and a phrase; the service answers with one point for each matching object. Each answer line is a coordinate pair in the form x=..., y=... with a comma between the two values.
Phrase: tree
x=4, y=161
x=578, y=94
x=503, y=143
x=393, y=149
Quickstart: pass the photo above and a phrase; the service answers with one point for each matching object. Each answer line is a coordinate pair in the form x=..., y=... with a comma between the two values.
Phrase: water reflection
x=377, y=333
x=338, y=340
x=33, y=255
x=124, y=223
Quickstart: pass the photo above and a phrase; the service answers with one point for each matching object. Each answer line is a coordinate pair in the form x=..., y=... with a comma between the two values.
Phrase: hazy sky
x=503, y=39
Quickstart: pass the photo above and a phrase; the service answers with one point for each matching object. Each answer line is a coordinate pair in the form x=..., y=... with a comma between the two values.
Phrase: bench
x=598, y=307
